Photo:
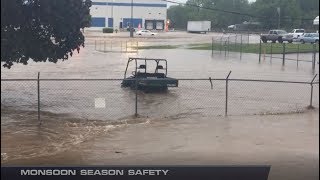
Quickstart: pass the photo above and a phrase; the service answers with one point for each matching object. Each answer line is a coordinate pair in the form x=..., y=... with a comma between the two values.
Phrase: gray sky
x=183, y=1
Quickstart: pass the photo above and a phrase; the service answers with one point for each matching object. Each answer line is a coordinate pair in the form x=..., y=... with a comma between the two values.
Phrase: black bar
x=137, y=173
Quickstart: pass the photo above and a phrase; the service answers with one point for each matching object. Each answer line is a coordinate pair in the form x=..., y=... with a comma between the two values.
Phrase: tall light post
x=131, y=23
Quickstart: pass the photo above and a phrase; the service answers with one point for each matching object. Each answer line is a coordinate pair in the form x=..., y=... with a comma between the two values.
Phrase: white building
x=148, y=14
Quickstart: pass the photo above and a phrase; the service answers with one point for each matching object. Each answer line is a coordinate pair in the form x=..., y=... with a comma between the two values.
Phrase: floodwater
x=72, y=117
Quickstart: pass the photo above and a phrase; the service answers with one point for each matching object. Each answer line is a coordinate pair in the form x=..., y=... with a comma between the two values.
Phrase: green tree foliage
x=42, y=30
x=294, y=13
x=181, y=14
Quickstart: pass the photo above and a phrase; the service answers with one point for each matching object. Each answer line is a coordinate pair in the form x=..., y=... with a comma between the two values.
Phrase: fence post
x=38, y=92
x=228, y=44
x=264, y=53
x=311, y=97
x=136, y=100
x=227, y=93
x=220, y=44
x=314, y=57
x=225, y=48
x=260, y=51
x=241, y=47
x=283, y=53
x=271, y=51
x=298, y=55
x=212, y=47
x=248, y=38
x=210, y=79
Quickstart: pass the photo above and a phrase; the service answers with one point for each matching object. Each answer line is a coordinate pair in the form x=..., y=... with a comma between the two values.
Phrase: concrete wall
x=115, y=12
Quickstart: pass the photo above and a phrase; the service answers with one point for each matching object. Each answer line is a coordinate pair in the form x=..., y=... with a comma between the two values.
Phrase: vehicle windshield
x=300, y=31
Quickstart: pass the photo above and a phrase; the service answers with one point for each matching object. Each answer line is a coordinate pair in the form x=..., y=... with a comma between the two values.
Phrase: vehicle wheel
x=139, y=34
x=264, y=40
x=317, y=41
x=290, y=41
x=273, y=41
x=302, y=41
x=280, y=40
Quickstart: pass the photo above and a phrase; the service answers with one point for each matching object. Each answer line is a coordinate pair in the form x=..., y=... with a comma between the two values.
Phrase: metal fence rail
x=105, y=99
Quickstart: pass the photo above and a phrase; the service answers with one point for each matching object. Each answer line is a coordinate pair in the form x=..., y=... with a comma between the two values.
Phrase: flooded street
x=76, y=132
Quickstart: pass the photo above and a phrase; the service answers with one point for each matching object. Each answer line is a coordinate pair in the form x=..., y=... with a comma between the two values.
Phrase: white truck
x=296, y=33
x=199, y=26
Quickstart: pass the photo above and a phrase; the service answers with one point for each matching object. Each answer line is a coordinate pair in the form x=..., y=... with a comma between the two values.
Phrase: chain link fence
x=290, y=53
x=116, y=46
x=105, y=99
x=285, y=52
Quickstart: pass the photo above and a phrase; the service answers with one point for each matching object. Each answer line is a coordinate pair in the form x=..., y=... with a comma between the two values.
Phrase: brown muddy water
x=70, y=117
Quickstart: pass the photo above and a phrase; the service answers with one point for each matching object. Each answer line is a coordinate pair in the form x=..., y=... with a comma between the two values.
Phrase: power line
x=233, y=12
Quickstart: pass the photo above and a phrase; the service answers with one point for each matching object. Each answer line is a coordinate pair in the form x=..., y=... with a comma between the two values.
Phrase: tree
x=211, y=10
x=42, y=30
x=294, y=13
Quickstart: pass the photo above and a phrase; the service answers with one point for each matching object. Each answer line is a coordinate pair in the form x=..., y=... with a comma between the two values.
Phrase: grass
x=269, y=48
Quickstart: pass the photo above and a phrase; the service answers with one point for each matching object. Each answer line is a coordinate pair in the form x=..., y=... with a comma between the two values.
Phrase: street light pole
x=131, y=23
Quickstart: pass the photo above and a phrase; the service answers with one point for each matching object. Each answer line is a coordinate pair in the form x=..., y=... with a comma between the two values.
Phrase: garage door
x=159, y=25
x=149, y=25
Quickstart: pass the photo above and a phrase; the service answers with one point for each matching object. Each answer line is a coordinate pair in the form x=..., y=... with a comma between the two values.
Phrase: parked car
x=277, y=35
x=232, y=27
x=296, y=33
x=145, y=33
x=309, y=38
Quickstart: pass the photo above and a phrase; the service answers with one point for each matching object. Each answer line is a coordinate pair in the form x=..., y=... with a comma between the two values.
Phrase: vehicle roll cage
x=145, y=65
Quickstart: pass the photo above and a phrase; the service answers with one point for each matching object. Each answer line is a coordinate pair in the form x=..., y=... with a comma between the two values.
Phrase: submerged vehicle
x=142, y=79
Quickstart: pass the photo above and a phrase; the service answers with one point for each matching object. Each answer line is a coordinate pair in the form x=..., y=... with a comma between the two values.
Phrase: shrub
x=107, y=30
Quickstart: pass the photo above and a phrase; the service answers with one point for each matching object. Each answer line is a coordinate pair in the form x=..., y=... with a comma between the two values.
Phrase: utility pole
x=279, y=20
x=131, y=23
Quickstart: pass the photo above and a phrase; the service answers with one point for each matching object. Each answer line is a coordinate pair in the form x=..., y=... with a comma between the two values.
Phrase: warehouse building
x=147, y=14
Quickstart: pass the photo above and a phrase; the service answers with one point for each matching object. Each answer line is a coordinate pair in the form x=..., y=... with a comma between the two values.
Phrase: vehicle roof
x=145, y=59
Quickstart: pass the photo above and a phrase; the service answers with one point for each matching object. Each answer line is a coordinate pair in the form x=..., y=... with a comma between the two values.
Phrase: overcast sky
x=183, y=1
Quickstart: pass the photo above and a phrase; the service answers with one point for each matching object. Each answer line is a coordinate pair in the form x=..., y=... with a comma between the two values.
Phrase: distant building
x=147, y=14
